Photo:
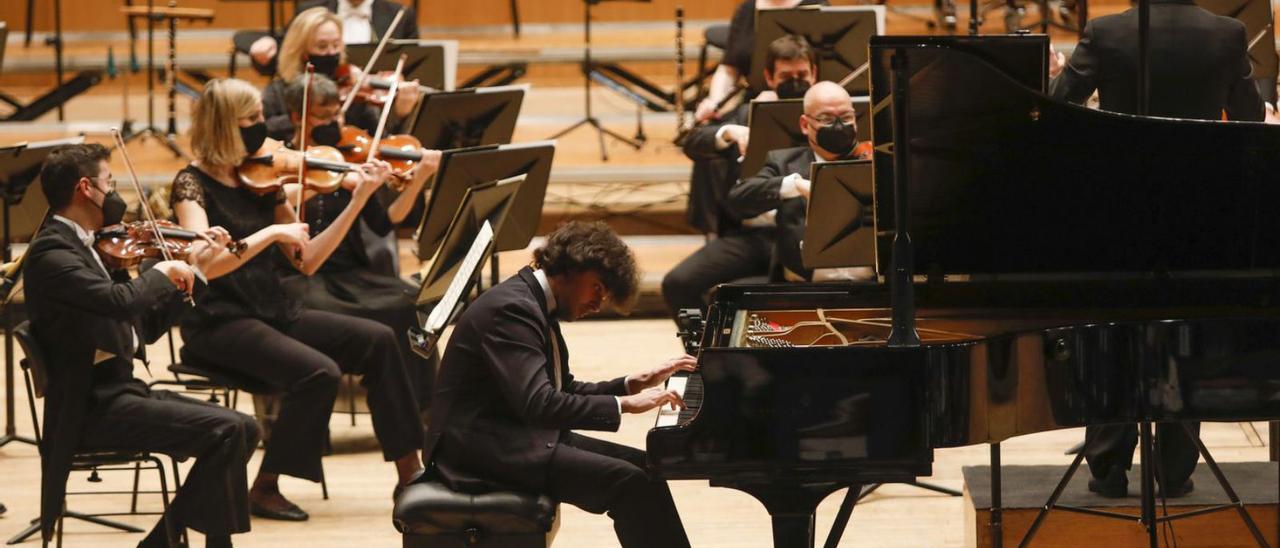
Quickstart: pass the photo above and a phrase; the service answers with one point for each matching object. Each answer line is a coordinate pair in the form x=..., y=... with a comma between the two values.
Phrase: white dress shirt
x=86, y=238
x=357, y=22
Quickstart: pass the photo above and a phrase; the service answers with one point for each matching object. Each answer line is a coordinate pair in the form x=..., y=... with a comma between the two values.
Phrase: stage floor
x=358, y=512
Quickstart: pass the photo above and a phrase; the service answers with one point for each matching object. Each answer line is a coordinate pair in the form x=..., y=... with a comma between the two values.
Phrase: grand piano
x=1066, y=267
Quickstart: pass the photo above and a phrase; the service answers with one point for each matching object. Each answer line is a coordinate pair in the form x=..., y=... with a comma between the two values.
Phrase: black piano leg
x=791, y=508
x=1147, y=456
x=851, y=498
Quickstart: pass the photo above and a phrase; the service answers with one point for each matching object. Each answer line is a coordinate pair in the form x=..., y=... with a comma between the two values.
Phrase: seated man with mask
x=741, y=248
x=782, y=186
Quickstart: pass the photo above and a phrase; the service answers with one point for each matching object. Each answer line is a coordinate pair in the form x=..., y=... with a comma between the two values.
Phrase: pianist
x=506, y=403
x=830, y=124
x=1200, y=68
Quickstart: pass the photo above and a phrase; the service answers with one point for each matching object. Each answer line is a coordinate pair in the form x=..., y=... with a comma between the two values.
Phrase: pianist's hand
x=660, y=374
x=650, y=399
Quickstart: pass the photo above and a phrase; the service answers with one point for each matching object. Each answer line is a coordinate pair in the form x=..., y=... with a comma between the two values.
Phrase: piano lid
x=1006, y=180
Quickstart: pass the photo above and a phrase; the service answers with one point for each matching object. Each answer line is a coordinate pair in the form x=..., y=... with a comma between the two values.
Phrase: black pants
x=740, y=254
x=599, y=476
x=304, y=361
x=1113, y=444
x=214, y=497
x=385, y=299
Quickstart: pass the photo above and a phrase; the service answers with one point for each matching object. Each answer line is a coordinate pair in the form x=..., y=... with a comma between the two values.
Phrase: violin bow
x=364, y=75
x=386, y=107
x=142, y=199
x=303, y=125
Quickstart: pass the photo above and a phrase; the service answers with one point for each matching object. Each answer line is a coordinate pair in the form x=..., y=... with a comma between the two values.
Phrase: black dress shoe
x=290, y=512
x=2, y=508
x=1115, y=485
x=1178, y=491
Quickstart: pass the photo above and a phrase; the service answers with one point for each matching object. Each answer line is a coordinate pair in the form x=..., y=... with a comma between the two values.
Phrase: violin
x=127, y=245
x=403, y=152
x=273, y=166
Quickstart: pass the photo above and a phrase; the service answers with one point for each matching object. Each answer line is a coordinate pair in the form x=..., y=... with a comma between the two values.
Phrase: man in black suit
x=91, y=325
x=1199, y=68
x=830, y=124
x=363, y=21
x=1199, y=65
x=742, y=247
x=505, y=402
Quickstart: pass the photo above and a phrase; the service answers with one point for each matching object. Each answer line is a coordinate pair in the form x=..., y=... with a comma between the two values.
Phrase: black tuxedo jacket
x=1199, y=64
x=75, y=309
x=383, y=12
x=496, y=415
x=714, y=173
x=760, y=193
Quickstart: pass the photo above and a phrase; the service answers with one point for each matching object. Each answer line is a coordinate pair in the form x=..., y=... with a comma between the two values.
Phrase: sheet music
x=440, y=314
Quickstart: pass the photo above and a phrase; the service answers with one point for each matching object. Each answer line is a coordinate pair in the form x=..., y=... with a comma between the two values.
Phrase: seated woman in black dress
x=252, y=322
x=315, y=36
x=349, y=283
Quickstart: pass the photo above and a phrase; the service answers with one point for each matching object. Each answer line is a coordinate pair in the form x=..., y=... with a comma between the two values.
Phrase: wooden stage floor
x=358, y=512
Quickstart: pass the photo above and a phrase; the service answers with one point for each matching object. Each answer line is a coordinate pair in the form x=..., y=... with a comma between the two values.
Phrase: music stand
x=840, y=205
x=456, y=266
x=19, y=169
x=466, y=168
x=427, y=62
x=839, y=37
x=776, y=124
x=589, y=73
x=469, y=117
x=1260, y=30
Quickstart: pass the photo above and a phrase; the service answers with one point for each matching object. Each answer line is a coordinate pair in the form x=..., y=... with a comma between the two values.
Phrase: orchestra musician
x=253, y=323
x=735, y=64
x=363, y=21
x=506, y=403
x=315, y=36
x=348, y=283
x=91, y=325
x=830, y=124
x=742, y=248
x=1199, y=67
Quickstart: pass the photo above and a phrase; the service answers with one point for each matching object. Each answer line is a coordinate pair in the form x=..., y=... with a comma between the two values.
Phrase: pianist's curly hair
x=578, y=246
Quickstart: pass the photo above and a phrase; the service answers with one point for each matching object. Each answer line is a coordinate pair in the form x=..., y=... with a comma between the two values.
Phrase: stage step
x=1026, y=488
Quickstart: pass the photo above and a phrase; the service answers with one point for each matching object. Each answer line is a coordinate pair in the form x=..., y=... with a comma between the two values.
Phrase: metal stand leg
x=851, y=497
x=996, y=525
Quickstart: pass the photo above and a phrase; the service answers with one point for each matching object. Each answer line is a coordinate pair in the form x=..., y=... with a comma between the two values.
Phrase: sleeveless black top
x=259, y=288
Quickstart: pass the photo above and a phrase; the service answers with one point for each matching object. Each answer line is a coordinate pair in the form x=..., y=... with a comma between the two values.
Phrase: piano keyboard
x=689, y=386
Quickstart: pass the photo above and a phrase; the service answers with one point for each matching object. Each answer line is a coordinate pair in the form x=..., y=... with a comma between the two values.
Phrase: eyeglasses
x=849, y=118
x=111, y=183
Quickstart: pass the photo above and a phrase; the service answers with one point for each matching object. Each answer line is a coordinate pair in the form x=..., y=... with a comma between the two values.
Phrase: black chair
x=430, y=515
x=241, y=41
x=35, y=375
x=205, y=376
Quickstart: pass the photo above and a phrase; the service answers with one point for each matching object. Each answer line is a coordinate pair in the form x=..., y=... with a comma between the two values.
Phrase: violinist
x=253, y=323
x=348, y=283
x=91, y=325
x=315, y=36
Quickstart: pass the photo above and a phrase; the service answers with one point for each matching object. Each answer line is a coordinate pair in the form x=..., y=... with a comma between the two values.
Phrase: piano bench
x=430, y=515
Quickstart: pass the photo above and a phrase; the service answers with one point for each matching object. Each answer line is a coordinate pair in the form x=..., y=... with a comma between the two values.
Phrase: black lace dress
x=258, y=289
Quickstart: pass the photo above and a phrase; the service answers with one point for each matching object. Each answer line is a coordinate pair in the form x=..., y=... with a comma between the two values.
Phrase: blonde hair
x=298, y=39
x=215, y=127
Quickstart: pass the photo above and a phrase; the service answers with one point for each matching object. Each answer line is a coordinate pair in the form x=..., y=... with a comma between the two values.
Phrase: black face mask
x=792, y=88
x=325, y=64
x=113, y=208
x=253, y=137
x=837, y=138
x=328, y=135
